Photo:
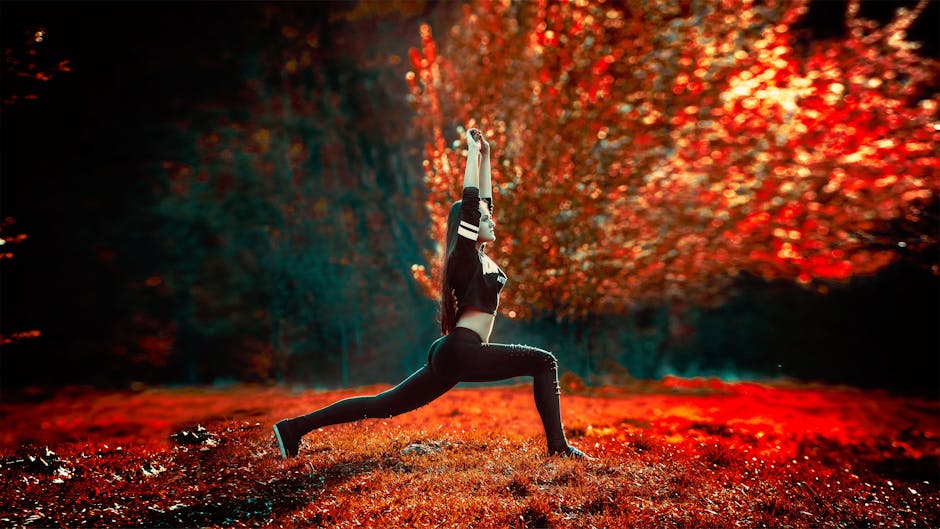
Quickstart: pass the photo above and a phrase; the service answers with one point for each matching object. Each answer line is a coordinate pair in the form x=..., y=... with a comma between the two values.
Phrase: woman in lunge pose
x=469, y=297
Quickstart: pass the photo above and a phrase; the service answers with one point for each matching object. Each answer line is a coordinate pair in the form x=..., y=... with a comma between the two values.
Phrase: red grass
x=677, y=453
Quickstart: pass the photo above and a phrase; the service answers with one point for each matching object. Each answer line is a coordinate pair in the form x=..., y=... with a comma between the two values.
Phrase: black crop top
x=475, y=278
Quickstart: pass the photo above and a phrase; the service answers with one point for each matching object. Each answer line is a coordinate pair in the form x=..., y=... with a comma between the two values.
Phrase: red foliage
x=677, y=452
x=657, y=149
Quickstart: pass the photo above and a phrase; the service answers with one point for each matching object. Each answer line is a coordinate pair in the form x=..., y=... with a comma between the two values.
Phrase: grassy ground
x=676, y=453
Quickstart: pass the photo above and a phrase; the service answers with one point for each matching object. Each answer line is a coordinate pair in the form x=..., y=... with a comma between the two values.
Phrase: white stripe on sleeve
x=467, y=233
x=469, y=226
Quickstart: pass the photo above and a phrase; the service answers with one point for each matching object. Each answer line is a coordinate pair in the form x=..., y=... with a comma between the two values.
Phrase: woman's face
x=487, y=226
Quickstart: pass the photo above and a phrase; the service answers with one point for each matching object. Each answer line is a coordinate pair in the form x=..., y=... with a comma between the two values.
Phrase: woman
x=469, y=297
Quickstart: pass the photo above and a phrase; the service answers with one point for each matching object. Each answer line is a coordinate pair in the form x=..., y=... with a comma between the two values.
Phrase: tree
x=284, y=232
x=655, y=150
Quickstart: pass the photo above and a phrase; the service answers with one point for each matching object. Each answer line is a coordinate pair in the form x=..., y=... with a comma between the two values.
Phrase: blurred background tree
x=653, y=151
x=658, y=156
x=244, y=182
x=289, y=222
x=218, y=195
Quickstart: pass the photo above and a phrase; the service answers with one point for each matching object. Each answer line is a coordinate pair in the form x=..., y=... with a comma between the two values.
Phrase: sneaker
x=287, y=438
x=572, y=452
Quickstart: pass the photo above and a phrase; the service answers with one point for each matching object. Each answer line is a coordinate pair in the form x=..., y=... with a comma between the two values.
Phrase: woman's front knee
x=551, y=367
x=550, y=361
x=546, y=360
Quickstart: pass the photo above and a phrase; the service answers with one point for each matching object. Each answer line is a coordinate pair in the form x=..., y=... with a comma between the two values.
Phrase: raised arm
x=469, y=226
x=471, y=175
x=486, y=184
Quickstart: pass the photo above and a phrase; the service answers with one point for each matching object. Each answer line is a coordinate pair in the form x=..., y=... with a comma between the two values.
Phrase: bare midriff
x=477, y=321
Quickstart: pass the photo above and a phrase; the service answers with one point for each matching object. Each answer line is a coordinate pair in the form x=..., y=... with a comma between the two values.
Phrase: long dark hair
x=448, y=299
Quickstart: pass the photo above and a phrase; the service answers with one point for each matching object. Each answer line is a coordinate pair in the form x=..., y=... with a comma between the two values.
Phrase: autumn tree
x=649, y=151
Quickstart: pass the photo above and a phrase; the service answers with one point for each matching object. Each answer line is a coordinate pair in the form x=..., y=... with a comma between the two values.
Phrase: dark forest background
x=128, y=279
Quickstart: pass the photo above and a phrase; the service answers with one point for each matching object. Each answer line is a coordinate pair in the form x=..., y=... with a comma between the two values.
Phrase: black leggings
x=461, y=356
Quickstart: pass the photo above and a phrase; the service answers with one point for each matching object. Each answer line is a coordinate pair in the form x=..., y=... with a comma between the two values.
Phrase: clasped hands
x=476, y=143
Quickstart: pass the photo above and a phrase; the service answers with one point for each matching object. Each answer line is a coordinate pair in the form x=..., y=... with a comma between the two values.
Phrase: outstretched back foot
x=288, y=438
x=572, y=452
